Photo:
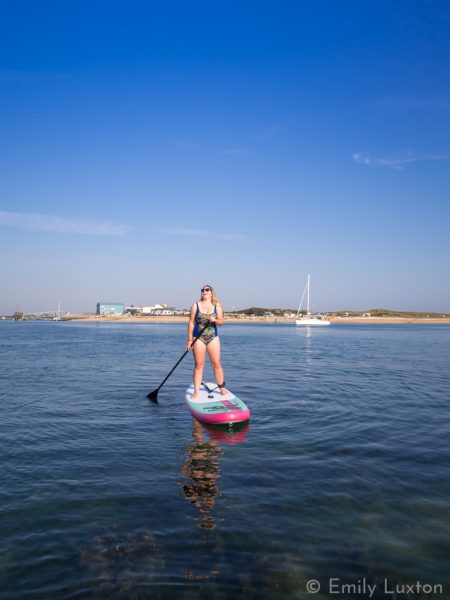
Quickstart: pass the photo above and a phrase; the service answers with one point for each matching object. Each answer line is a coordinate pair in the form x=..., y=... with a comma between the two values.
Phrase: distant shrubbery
x=257, y=311
x=383, y=312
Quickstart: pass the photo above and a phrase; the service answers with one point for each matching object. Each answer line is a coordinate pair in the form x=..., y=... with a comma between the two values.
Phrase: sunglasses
x=206, y=290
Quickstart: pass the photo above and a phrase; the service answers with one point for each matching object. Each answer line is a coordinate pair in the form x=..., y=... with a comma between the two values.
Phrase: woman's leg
x=199, y=350
x=213, y=349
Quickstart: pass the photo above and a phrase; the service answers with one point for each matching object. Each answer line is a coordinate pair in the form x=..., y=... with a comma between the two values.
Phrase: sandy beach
x=280, y=320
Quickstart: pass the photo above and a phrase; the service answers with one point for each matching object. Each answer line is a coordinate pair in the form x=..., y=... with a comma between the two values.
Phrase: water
x=341, y=475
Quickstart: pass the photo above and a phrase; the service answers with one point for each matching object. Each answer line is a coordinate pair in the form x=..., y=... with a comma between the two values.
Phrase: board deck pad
x=218, y=409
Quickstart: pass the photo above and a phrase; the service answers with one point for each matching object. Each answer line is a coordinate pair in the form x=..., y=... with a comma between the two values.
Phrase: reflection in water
x=307, y=333
x=201, y=470
x=230, y=434
x=201, y=467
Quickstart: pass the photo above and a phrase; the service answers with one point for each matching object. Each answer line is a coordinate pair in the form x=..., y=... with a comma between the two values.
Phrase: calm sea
x=341, y=477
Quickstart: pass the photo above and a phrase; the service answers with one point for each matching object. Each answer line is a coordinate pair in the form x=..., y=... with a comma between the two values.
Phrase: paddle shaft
x=173, y=369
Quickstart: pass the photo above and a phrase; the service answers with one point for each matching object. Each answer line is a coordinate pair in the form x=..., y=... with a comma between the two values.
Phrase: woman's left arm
x=218, y=320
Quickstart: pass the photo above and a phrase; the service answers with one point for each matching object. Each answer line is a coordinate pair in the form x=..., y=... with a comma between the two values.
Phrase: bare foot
x=223, y=392
x=195, y=395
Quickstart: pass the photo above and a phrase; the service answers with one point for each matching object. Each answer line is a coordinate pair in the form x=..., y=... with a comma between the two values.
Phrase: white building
x=151, y=310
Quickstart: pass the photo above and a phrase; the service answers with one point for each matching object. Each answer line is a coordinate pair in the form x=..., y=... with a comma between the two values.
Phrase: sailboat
x=58, y=316
x=308, y=319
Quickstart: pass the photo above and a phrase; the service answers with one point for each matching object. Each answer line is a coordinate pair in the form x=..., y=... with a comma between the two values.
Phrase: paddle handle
x=184, y=354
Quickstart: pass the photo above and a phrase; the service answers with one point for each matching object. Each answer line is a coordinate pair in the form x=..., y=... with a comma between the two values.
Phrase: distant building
x=158, y=309
x=150, y=310
x=133, y=310
x=109, y=308
x=163, y=312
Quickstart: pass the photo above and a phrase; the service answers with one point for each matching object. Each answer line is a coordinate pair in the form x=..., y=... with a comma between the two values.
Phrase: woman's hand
x=215, y=321
x=189, y=345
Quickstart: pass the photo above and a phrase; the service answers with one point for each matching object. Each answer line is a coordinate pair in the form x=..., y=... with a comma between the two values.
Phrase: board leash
x=209, y=390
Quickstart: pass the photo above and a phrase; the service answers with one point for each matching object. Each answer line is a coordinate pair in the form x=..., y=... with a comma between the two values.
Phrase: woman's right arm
x=191, y=324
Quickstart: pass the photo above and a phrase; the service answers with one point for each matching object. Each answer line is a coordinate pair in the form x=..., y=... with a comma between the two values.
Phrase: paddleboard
x=212, y=408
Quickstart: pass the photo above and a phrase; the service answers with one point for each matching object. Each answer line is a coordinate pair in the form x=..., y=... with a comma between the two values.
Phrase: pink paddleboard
x=213, y=408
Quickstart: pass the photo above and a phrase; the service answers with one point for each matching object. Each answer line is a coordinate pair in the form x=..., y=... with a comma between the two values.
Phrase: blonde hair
x=214, y=299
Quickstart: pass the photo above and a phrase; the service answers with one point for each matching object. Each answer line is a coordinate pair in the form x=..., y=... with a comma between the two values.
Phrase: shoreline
x=271, y=320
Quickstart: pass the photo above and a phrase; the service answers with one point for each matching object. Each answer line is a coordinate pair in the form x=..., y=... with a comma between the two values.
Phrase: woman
x=207, y=311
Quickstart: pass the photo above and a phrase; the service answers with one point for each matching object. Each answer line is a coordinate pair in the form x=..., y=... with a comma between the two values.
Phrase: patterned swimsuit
x=201, y=319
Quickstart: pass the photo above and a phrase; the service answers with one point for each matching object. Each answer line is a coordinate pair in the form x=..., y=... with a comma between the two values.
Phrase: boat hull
x=312, y=322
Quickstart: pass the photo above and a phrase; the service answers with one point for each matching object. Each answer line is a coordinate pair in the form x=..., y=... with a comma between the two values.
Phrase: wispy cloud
x=57, y=224
x=396, y=163
x=412, y=103
x=201, y=233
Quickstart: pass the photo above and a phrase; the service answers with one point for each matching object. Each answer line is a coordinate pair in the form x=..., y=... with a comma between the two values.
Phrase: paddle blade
x=153, y=396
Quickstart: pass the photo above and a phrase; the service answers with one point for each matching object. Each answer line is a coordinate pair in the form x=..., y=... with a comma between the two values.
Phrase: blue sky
x=149, y=147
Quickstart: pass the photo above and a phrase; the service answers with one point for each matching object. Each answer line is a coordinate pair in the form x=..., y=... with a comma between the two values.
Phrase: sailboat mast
x=307, y=306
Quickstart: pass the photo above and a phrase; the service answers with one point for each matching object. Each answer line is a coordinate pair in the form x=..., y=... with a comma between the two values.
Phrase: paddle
x=153, y=396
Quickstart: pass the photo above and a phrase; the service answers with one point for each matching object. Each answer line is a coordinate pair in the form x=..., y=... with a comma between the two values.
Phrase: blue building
x=109, y=308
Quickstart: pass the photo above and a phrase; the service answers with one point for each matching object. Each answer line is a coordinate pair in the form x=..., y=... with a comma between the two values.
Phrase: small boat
x=57, y=317
x=309, y=320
